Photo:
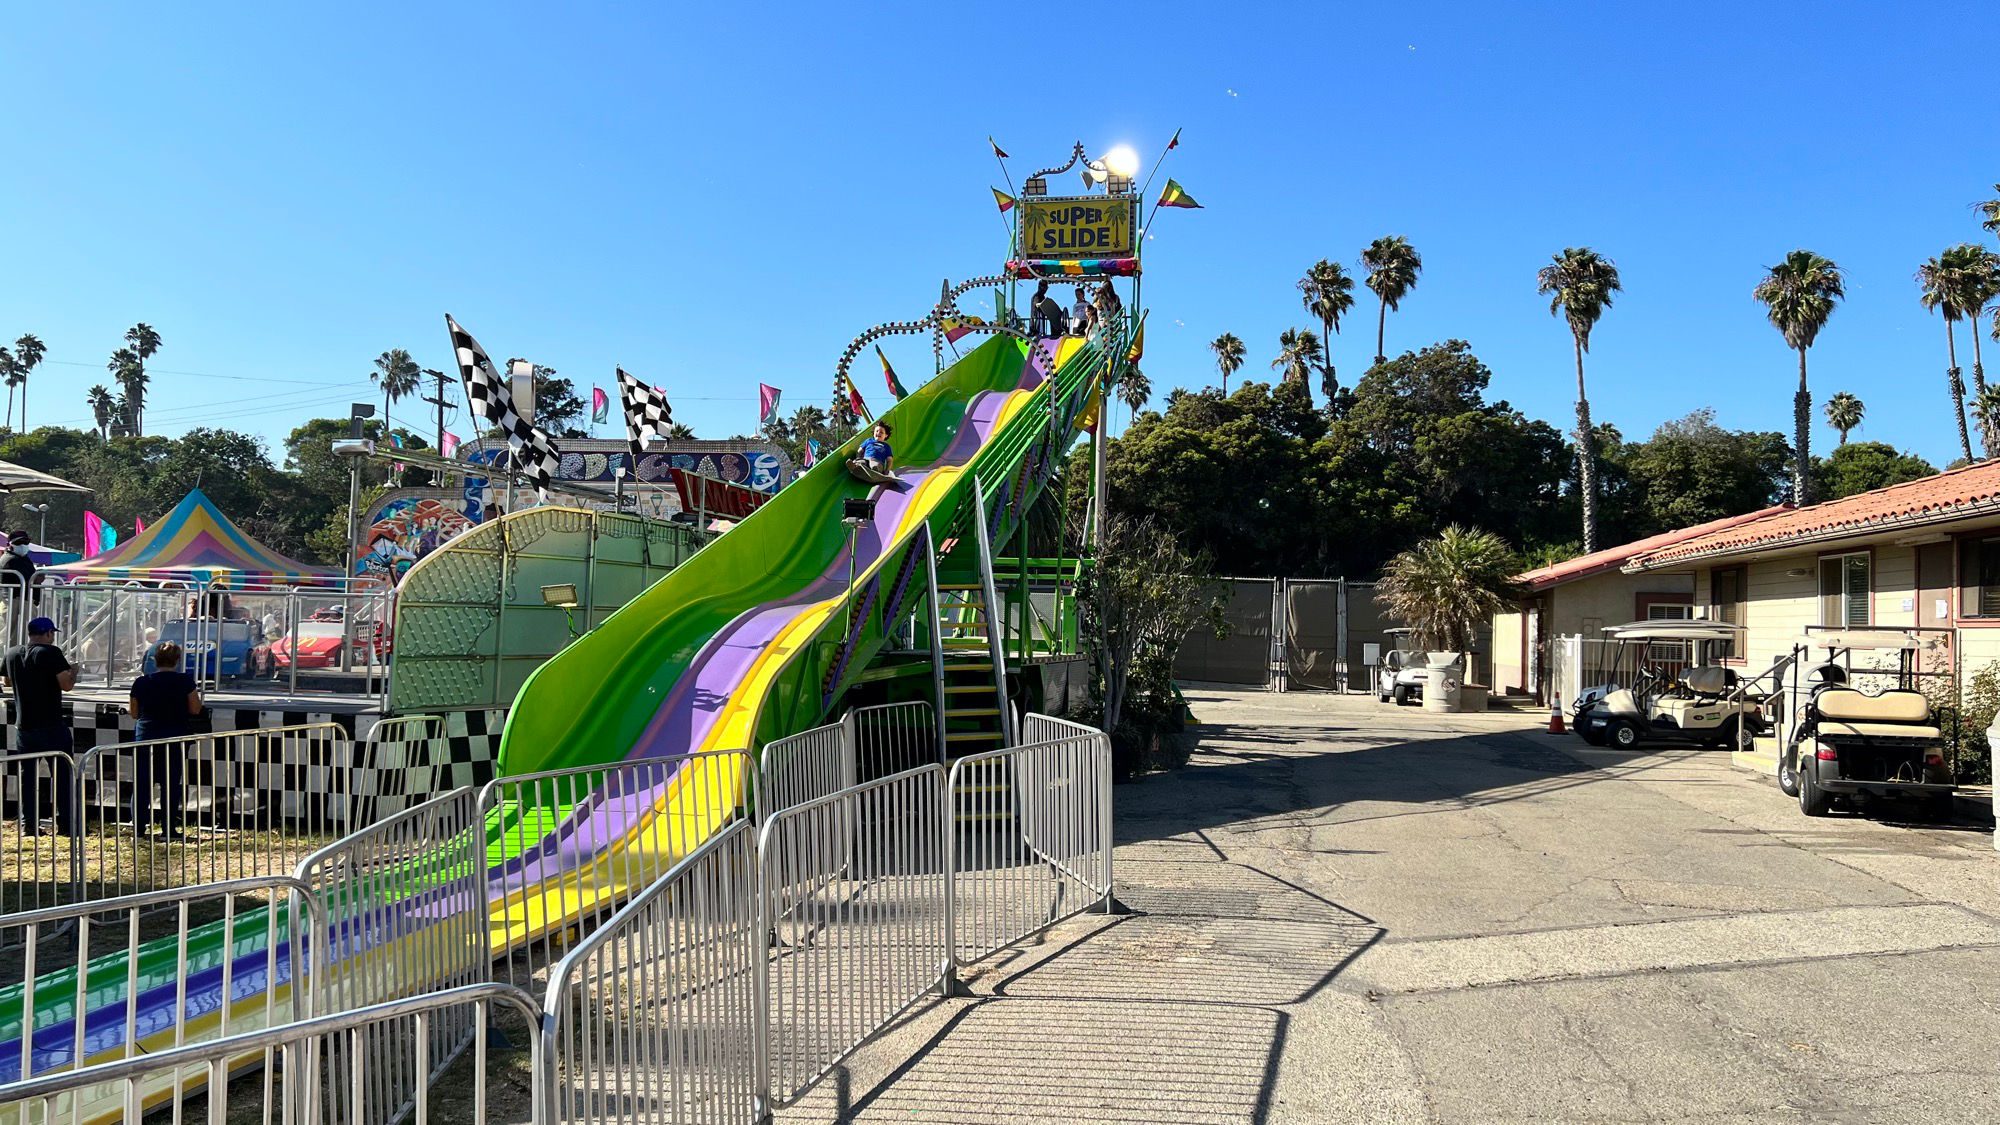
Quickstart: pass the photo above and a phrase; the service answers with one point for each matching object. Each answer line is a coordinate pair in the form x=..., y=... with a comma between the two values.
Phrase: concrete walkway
x=1346, y=912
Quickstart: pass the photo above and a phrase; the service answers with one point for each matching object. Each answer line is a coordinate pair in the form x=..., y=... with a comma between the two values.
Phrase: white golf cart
x=1401, y=675
x=1859, y=745
x=1687, y=697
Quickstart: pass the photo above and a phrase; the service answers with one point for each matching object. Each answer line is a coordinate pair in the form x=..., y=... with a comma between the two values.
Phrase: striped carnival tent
x=196, y=543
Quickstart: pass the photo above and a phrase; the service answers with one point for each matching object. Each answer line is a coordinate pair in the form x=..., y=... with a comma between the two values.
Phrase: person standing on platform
x=18, y=570
x=163, y=702
x=39, y=674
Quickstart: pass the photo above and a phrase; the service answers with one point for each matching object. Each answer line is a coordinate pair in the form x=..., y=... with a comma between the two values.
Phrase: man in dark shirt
x=17, y=571
x=39, y=674
x=163, y=702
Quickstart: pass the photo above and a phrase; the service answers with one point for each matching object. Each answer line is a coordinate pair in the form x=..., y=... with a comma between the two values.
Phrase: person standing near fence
x=39, y=674
x=163, y=702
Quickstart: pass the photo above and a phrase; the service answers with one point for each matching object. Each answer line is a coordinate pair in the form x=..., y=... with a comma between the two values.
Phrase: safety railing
x=37, y=870
x=1769, y=688
x=1030, y=836
x=893, y=737
x=852, y=892
x=136, y=973
x=405, y=905
x=652, y=1017
x=209, y=807
x=318, y=1071
x=565, y=849
x=804, y=767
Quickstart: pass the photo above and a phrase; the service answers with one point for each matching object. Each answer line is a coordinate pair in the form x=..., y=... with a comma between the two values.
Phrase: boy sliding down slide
x=875, y=463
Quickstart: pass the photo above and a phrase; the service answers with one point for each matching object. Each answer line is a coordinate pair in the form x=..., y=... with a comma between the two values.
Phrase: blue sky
x=720, y=195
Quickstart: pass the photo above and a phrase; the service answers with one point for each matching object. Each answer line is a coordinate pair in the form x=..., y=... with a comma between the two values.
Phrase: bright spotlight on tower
x=1122, y=161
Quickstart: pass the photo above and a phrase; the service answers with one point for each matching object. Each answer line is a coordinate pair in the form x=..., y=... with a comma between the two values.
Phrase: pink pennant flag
x=93, y=535
x=141, y=528
x=767, y=403
x=448, y=445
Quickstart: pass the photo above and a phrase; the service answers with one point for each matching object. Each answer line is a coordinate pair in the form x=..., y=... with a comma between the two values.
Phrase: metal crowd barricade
x=891, y=738
x=209, y=807
x=117, y=959
x=652, y=1017
x=804, y=767
x=565, y=848
x=425, y=733
x=36, y=871
x=1031, y=836
x=852, y=890
x=315, y=1072
x=405, y=901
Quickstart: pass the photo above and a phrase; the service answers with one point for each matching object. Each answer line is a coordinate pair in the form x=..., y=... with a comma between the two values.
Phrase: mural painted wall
x=755, y=469
x=404, y=530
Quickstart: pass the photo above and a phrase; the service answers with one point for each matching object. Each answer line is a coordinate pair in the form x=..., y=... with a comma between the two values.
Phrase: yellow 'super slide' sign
x=1082, y=227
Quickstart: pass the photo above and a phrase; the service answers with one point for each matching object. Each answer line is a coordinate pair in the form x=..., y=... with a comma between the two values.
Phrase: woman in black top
x=164, y=702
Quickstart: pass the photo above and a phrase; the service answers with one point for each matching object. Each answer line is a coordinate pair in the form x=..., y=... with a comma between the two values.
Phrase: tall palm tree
x=1392, y=265
x=103, y=407
x=10, y=373
x=1228, y=357
x=1941, y=281
x=399, y=377
x=1980, y=285
x=145, y=344
x=1298, y=353
x=1986, y=411
x=1579, y=283
x=1844, y=413
x=1989, y=212
x=1327, y=291
x=1133, y=390
x=28, y=353
x=1799, y=294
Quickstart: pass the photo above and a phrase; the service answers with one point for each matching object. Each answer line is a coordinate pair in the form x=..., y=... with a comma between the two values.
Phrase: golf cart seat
x=1844, y=713
x=1710, y=681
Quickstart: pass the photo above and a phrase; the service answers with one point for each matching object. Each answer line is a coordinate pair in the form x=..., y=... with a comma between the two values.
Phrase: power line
x=212, y=375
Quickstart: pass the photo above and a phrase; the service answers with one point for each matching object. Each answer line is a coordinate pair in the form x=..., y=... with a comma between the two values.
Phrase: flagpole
x=1144, y=191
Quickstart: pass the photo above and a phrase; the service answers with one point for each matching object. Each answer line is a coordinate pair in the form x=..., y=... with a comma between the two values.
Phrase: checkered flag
x=647, y=414
x=486, y=389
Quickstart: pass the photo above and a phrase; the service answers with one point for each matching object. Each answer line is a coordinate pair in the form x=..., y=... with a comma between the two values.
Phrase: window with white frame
x=1844, y=591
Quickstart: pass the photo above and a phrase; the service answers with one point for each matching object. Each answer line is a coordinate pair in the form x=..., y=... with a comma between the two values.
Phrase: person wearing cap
x=39, y=674
x=18, y=568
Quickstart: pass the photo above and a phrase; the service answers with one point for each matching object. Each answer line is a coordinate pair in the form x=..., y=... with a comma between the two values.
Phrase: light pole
x=356, y=450
x=42, y=510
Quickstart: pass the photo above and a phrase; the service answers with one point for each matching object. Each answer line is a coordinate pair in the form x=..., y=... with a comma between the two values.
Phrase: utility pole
x=440, y=402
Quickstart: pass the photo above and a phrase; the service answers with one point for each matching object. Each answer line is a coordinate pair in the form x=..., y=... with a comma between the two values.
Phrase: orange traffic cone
x=1556, y=719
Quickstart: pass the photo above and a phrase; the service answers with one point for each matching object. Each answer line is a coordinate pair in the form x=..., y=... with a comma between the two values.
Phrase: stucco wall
x=1584, y=607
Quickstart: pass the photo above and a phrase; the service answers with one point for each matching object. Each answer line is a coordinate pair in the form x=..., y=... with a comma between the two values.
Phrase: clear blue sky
x=718, y=195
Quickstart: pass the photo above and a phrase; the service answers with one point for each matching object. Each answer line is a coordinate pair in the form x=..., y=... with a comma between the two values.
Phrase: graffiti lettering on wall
x=405, y=531
x=756, y=469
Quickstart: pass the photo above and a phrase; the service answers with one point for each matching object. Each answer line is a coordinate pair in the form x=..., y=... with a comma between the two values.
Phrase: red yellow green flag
x=1174, y=195
x=997, y=151
x=889, y=373
x=1176, y=142
x=1005, y=201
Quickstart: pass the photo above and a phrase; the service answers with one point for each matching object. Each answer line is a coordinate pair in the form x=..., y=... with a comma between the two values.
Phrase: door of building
x=1934, y=593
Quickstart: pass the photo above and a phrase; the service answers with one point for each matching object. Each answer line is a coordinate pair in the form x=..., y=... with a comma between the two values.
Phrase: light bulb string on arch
x=933, y=324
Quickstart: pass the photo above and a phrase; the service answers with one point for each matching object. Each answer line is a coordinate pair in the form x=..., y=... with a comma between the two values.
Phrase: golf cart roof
x=1685, y=630
x=1399, y=631
x=1903, y=640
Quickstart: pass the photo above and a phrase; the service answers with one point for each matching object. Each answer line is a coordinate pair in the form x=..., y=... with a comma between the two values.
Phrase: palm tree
x=1327, y=291
x=1844, y=413
x=1986, y=410
x=1799, y=294
x=1298, y=353
x=1392, y=265
x=680, y=431
x=145, y=344
x=28, y=353
x=1980, y=285
x=1942, y=282
x=10, y=369
x=1989, y=212
x=103, y=406
x=1228, y=357
x=399, y=377
x=130, y=374
x=1444, y=587
x=1579, y=283
x=1133, y=390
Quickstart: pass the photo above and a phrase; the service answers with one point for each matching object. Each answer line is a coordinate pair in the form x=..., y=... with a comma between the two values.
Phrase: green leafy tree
x=1580, y=283
x=1327, y=291
x=1864, y=466
x=398, y=375
x=1941, y=283
x=1298, y=354
x=1393, y=266
x=558, y=407
x=1844, y=413
x=1799, y=294
x=103, y=407
x=1444, y=587
x=1692, y=471
x=1228, y=357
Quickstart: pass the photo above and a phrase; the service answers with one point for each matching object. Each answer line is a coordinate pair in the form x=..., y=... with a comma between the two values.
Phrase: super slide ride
x=755, y=637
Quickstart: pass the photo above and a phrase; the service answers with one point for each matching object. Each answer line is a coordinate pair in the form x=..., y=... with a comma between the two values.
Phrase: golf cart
x=1691, y=697
x=1857, y=745
x=1401, y=675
